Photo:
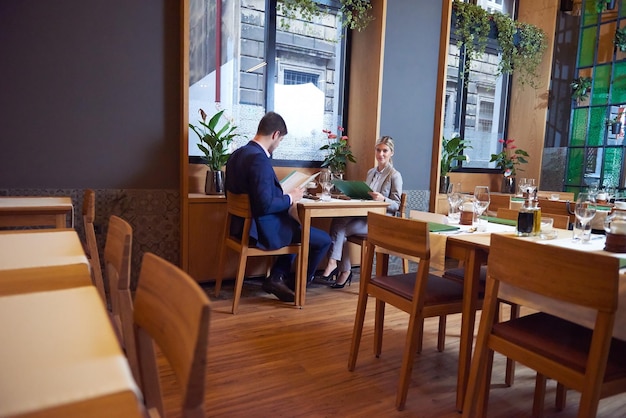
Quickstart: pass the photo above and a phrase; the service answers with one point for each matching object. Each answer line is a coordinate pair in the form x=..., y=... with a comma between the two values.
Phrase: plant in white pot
x=451, y=155
x=215, y=139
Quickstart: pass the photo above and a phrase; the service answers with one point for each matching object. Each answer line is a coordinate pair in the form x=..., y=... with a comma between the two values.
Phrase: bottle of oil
x=536, y=215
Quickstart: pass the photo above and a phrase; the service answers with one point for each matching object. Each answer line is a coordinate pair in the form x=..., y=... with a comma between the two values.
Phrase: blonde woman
x=386, y=183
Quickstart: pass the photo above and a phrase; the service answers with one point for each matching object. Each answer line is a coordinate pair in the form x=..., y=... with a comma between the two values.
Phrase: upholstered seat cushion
x=560, y=340
x=438, y=290
x=458, y=274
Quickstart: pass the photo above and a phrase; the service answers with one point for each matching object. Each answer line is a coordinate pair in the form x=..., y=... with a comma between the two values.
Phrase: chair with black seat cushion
x=239, y=205
x=420, y=294
x=171, y=312
x=587, y=360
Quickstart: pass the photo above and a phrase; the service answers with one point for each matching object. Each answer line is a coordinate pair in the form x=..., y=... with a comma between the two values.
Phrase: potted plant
x=580, y=88
x=508, y=160
x=620, y=39
x=451, y=154
x=356, y=14
x=339, y=152
x=472, y=25
x=616, y=123
x=215, y=143
x=602, y=5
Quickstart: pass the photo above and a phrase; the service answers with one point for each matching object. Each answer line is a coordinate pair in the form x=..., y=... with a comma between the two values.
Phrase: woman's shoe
x=328, y=278
x=342, y=285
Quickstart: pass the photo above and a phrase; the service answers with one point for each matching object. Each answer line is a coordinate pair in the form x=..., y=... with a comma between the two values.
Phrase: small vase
x=616, y=127
x=508, y=185
x=444, y=183
x=214, y=183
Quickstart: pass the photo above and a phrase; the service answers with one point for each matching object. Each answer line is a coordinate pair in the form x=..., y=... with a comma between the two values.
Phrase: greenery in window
x=356, y=14
x=580, y=88
x=620, y=39
x=522, y=44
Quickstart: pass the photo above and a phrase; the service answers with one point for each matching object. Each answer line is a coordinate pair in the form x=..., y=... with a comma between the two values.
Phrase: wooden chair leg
x=441, y=337
x=413, y=336
x=358, y=329
x=509, y=375
x=540, y=394
x=378, y=327
x=241, y=272
x=561, y=396
x=420, y=339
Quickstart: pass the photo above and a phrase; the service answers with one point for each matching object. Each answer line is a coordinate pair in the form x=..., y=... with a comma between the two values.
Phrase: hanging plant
x=580, y=88
x=522, y=45
x=620, y=39
x=356, y=14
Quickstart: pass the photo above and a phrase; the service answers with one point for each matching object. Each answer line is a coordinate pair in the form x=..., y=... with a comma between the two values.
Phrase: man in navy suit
x=249, y=171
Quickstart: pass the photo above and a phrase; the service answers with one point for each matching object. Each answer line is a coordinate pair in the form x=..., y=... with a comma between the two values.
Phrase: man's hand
x=296, y=194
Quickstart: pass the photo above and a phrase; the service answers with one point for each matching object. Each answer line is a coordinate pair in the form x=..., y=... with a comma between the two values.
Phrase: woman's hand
x=377, y=196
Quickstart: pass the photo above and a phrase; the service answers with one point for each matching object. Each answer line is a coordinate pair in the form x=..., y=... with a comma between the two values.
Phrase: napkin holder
x=615, y=243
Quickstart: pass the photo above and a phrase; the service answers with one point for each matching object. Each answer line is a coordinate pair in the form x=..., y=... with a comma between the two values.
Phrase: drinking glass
x=585, y=211
x=454, y=202
x=521, y=186
x=481, y=202
x=530, y=187
x=325, y=179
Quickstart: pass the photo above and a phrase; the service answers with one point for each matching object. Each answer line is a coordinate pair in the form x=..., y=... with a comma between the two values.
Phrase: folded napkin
x=501, y=221
x=437, y=227
x=603, y=207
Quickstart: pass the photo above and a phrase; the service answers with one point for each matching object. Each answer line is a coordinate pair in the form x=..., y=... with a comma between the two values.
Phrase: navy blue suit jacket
x=250, y=171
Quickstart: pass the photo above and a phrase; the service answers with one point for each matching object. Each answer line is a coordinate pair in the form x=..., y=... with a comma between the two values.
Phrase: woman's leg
x=356, y=226
x=338, y=238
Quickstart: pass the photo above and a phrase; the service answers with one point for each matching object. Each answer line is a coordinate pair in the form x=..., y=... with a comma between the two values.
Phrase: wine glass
x=325, y=180
x=521, y=186
x=454, y=201
x=481, y=201
x=585, y=211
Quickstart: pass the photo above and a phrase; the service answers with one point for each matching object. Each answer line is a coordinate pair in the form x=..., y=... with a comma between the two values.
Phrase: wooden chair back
x=172, y=311
x=239, y=205
x=117, y=259
x=419, y=294
x=91, y=245
x=545, y=194
x=402, y=209
x=572, y=355
x=498, y=201
x=560, y=221
x=428, y=216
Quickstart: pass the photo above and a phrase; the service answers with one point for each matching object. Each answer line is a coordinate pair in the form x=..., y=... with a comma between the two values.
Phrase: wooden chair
x=499, y=200
x=420, y=294
x=588, y=360
x=172, y=311
x=560, y=221
x=91, y=245
x=359, y=239
x=117, y=258
x=239, y=205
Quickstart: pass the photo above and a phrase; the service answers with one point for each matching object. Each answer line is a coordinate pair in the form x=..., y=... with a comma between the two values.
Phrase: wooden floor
x=272, y=360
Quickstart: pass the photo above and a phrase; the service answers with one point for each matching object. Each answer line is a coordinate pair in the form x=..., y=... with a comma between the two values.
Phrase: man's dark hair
x=271, y=123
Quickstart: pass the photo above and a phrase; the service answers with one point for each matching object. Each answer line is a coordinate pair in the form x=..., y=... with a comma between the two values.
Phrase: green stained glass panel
x=587, y=47
x=618, y=92
x=574, y=166
x=597, y=125
x=601, y=84
x=579, y=127
x=590, y=15
x=612, y=166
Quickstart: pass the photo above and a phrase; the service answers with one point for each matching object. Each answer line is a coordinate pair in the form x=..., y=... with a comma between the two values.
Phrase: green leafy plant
x=616, y=119
x=580, y=88
x=214, y=140
x=356, y=14
x=522, y=44
x=509, y=158
x=339, y=152
x=452, y=153
x=620, y=39
x=601, y=5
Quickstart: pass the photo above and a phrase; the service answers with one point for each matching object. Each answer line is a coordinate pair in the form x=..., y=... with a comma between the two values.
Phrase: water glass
x=325, y=179
x=546, y=231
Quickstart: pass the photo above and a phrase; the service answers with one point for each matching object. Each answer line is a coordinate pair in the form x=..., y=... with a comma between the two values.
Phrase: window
x=477, y=103
x=267, y=62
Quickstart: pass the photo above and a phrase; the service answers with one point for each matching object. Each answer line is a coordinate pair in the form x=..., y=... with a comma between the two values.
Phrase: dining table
x=472, y=247
x=29, y=211
x=42, y=259
x=310, y=208
x=60, y=358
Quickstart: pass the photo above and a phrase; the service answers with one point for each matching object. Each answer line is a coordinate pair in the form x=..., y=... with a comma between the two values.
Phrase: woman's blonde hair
x=386, y=140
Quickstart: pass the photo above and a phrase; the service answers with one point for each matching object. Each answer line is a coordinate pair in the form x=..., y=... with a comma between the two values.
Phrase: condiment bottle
x=536, y=216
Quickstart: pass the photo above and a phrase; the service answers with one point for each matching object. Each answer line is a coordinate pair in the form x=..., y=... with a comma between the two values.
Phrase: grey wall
x=409, y=86
x=89, y=94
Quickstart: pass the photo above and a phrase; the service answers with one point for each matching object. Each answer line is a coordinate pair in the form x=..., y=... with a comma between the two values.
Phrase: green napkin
x=502, y=221
x=436, y=227
x=517, y=199
x=603, y=207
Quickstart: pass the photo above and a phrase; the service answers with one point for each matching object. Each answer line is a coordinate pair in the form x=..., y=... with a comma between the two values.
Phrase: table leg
x=473, y=262
x=301, y=279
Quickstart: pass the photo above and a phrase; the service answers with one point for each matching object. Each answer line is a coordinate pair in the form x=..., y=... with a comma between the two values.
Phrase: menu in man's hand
x=354, y=189
x=296, y=179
